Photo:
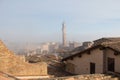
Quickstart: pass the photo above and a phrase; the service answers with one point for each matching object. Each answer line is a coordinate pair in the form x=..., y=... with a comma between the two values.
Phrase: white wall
x=110, y=54
x=82, y=64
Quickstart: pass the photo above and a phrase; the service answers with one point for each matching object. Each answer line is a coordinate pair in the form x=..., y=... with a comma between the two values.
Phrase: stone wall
x=85, y=77
x=110, y=54
x=82, y=63
x=28, y=70
x=13, y=65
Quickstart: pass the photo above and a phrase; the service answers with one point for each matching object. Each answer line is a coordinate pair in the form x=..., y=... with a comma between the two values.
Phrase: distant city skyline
x=41, y=20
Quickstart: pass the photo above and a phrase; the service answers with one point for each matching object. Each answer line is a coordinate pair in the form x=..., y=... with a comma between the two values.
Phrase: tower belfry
x=64, y=34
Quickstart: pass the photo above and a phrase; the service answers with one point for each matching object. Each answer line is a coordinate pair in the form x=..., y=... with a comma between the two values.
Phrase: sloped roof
x=113, y=39
x=114, y=46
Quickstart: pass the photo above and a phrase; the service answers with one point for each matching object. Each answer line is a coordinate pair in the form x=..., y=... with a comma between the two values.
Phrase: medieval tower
x=64, y=35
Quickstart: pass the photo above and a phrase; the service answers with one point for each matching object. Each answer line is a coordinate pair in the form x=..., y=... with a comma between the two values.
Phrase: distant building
x=31, y=52
x=38, y=51
x=49, y=47
x=83, y=46
x=45, y=48
x=73, y=45
x=53, y=47
x=87, y=44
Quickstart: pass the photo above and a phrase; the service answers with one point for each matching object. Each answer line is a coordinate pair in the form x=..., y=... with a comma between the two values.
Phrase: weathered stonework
x=85, y=77
x=12, y=64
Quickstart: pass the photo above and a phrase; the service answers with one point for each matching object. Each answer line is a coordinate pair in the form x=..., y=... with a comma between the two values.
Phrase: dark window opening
x=92, y=68
x=111, y=64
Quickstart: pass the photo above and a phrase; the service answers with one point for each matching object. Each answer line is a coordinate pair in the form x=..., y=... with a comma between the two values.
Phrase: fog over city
x=59, y=39
x=29, y=21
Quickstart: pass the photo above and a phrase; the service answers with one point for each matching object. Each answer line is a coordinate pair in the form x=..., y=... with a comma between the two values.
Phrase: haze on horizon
x=41, y=20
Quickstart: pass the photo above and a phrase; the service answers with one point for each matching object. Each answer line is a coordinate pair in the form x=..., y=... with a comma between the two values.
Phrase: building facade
x=97, y=59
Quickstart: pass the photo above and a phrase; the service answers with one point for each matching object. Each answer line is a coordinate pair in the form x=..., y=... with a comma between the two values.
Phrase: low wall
x=30, y=77
x=30, y=70
x=85, y=77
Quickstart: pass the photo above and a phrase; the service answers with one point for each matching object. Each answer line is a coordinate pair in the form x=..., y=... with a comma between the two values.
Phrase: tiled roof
x=113, y=45
x=103, y=40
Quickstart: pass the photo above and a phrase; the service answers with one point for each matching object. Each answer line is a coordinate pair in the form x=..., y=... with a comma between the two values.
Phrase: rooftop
x=115, y=45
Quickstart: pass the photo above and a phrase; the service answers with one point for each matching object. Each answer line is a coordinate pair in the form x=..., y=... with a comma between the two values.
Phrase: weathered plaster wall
x=110, y=54
x=82, y=64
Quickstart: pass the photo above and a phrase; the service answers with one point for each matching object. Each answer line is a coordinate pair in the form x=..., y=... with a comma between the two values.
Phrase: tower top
x=63, y=22
x=63, y=26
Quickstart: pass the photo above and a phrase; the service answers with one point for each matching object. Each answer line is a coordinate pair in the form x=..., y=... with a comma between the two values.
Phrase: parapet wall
x=85, y=77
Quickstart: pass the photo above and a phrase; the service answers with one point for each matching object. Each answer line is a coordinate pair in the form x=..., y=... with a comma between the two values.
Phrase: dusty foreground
x=77, y=77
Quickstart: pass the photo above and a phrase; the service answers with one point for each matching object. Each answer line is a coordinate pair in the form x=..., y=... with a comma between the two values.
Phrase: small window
x=92, y=68
x=111, y=64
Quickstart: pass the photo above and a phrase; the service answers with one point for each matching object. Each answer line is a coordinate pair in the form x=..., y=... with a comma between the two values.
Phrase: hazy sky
x=41, y=20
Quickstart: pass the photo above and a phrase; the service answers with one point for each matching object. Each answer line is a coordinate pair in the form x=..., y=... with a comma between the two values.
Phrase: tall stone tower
x=64, y=35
